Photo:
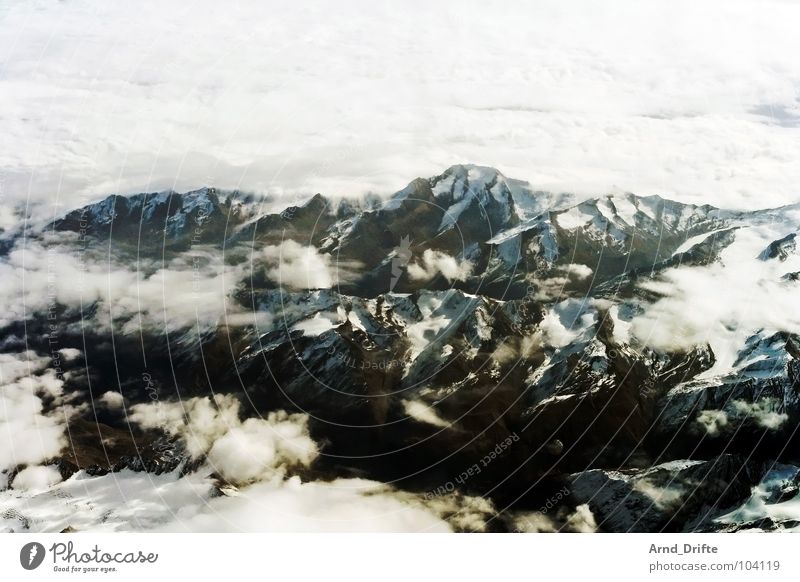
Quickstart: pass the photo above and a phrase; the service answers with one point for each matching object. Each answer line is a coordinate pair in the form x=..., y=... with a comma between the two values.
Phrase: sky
x=696, y=101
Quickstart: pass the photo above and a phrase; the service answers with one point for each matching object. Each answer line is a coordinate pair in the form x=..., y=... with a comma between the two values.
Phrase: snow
x=606, y=210
x=153, y=202
x=696, y=240
x=317, y=325
x=465, y=185
x=626, y=209
x=758, y=506
x=548, y=244
x=568, y=322
x=441, y=312
x=358, y=317
x=483, y=324
x=723, y=303
x=649, y=206
x=509, y=251
x=453, y=213
x=397, y=200
x=341, y=229
x=426, y=332
x=576, y=217
x=445, y=186
x=196, y=200
x=129, y=501
x=512, y=232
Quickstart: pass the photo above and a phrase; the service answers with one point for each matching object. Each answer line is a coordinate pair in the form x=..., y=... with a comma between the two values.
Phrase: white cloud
x=30, y=435
x=534, y=522
x=581, y=520
x=764, y=412
x=241, y=452
x=713, y=421
x=113, y=399
x=191, y=290
x=725, y=302
x=424, y=413
x=259, y=449
x=70, y=354
x=566, y=322
x=343, y=505
x=693, y=100
x=578, y=271
x=296, y=266
x=668, y=497
x=36, y=478
x=254, y=457
x=466, y=513
x=435, y=262
x=129, y=501
x=200, y=421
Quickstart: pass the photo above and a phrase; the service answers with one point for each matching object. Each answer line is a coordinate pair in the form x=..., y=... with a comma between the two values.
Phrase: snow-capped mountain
x=630, y=345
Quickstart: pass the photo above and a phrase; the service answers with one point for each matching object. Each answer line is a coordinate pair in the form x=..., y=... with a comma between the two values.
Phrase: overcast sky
x=693, y=100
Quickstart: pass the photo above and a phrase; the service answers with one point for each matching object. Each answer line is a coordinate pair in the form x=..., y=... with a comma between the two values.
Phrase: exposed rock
x=672, y=496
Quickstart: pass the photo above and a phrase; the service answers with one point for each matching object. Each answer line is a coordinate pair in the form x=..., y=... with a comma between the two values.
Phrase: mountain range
x=636, y=352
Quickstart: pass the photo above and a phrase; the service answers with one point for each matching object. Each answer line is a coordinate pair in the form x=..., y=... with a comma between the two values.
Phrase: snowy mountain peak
x=170, y=214
x=460, y=188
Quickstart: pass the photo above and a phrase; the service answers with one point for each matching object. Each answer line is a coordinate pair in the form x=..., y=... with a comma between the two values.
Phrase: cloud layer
x=435, y=262
x=239, y=451
x=725, y=302
x=191, y=290
x=254, y=459
x=698, y=101
x=30, y=435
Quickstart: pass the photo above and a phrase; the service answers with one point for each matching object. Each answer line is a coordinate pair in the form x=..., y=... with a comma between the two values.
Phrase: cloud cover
x=254, y=458
x=723, y=303
x=30, y=434
x=696, y=101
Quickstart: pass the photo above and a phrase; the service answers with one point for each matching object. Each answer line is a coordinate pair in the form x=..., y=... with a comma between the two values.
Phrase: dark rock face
x=781, y=248
x=468, y=309
x=164, y=219
x=758, y=407
x=673, y=496
x=99, y=449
